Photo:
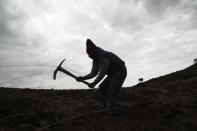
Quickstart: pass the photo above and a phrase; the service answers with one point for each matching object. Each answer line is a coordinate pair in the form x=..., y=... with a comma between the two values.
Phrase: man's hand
x=79, y=79
x=92, y=85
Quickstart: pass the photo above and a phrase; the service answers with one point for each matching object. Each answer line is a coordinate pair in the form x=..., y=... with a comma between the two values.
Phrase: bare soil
x=166, y=103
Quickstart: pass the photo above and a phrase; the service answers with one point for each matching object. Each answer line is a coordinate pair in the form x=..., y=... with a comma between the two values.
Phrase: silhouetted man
x=105, y=63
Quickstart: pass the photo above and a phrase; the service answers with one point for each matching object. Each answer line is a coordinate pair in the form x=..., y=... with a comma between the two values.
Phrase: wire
x=26, y=66
x=8, y=81
x=19, y=78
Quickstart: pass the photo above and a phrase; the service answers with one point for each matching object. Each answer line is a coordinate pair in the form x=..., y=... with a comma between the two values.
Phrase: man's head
x=91, y=49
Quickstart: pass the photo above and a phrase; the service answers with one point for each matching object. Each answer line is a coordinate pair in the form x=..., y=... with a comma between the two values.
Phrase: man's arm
x=103, y=66
x=94, y=71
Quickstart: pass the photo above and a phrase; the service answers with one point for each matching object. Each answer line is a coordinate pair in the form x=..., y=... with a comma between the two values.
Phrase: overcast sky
x=153, y=37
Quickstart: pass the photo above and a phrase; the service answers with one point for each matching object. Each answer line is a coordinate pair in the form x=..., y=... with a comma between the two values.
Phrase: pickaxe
x=66, y=72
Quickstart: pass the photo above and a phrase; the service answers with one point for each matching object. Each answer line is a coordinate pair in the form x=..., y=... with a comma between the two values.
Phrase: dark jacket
x=105, y=63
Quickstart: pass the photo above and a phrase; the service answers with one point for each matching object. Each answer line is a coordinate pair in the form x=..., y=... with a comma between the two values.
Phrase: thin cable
x=19, y=78
x=9, y=66
x=26, y=66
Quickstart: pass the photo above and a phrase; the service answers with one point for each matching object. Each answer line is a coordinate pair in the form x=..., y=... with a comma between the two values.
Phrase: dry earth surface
x=166, y=103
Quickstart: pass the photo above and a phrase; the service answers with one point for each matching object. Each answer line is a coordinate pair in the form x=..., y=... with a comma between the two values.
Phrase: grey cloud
x=183, y=11
x=190, y=8
x=122, y=15
x=13, y=41
x=15, y=47
x=151, y=36
x=132, y=15
x=5, y=31
x=158, y=7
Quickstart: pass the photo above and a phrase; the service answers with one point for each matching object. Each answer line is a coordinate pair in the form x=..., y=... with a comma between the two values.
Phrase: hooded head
x=91, y=49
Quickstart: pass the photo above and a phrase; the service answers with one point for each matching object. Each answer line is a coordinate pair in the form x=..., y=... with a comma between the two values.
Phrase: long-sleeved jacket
x=106, y=63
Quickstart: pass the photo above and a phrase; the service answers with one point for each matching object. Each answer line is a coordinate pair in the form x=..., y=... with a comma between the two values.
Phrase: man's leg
x=103, y=87
x=115, y=83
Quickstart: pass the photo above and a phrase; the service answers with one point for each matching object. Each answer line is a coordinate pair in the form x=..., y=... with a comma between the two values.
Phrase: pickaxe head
x=57, y=69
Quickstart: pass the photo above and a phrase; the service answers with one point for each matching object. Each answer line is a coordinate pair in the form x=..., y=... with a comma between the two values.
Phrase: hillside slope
x=182, y=75
x=165, y=103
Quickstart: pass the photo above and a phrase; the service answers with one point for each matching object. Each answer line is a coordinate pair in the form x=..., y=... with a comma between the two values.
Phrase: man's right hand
x=79, y=79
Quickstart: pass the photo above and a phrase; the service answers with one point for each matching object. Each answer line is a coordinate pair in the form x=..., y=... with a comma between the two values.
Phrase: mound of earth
x=165, y=103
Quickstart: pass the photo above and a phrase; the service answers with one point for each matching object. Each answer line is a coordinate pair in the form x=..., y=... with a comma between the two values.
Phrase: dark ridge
x=182, y=75
x=166, y=103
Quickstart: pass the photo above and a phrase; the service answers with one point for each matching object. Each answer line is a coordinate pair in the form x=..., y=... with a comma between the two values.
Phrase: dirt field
x=166, y=103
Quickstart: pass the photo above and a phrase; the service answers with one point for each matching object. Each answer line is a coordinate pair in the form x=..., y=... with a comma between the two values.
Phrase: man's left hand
x=92, y=85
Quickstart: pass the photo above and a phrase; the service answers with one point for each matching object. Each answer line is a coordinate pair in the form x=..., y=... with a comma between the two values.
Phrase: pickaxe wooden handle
x=66, y=72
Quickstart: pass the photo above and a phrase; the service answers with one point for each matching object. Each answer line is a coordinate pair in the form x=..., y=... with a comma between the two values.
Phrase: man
x=105, y=63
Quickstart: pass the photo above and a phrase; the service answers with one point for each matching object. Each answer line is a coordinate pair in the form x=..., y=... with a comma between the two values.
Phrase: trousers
x=109, y=89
